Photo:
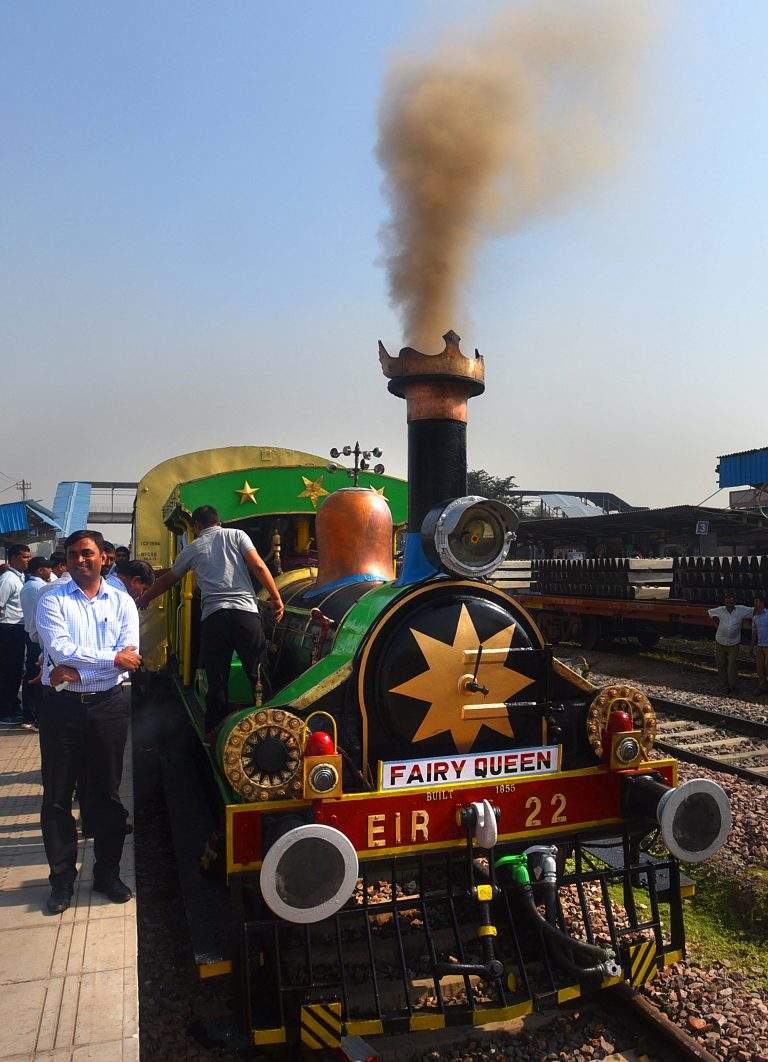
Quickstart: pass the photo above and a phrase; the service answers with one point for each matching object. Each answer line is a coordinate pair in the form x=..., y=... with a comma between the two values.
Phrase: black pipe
x=562, y=959
x=437, y=466
x=640, y=796
x=553, y=933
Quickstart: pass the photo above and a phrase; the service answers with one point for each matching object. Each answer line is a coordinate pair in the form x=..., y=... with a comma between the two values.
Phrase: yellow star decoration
x=313, y=490
x=248, y=493
x=379, y=490
x=441, y=683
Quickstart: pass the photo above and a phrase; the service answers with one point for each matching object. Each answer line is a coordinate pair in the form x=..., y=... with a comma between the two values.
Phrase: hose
x=588, y=973
x=556, y=935
x=560, y=944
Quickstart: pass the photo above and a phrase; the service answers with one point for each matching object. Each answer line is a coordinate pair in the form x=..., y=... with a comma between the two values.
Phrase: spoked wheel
x=590, y=632
x=648, y=639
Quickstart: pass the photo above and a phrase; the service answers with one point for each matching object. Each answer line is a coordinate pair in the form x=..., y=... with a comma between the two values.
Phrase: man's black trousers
x=83, y=744
x=31, y=692
x=227, y=631
x=12, y=637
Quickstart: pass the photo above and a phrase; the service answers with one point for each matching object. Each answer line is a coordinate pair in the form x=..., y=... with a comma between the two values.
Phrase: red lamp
x=618, y=723
x=320, y=743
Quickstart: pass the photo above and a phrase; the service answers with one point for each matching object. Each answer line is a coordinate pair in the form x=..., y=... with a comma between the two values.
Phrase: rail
x=712, y=739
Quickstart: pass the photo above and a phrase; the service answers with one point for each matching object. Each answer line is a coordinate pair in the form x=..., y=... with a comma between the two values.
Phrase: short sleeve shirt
x=11, y=582
x=217, y=559
x=729, y=626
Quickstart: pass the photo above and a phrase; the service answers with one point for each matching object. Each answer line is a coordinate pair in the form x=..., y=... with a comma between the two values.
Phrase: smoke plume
x=499, y=123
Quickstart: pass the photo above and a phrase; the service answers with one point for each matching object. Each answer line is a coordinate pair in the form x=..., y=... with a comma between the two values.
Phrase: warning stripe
x=308, y=1039
x=320, y=1023
x=641, y=962
x=637, y=954
x=319, y=1031
x=649, y=970
x=328, y=1013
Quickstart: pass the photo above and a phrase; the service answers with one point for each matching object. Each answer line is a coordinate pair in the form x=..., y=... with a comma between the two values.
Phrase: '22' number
x=557, y=803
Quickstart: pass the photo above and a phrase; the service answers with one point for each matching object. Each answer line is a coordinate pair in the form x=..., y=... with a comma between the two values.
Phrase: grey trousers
x=726, y=658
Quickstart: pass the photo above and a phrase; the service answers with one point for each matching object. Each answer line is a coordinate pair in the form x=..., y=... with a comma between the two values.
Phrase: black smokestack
x=436, y=388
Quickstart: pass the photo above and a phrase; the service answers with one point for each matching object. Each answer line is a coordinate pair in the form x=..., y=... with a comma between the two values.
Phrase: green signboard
x=253, y=492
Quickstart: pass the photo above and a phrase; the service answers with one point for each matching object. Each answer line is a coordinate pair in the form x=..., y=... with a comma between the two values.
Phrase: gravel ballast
x=724, y=1008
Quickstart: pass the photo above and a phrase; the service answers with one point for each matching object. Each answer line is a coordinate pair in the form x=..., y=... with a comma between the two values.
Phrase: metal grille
x=384, y=956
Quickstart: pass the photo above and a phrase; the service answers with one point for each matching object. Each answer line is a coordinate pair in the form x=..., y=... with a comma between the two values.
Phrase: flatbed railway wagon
x=426, y=819
x=589, y=620
x=630, y=598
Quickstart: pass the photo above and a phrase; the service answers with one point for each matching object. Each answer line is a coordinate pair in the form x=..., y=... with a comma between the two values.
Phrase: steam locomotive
x=430, y=820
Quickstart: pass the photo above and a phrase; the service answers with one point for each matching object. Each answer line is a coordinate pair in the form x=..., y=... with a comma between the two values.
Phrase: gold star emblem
x=379, y=490
x=248, y=493
x=314, y=490
x=442, y=684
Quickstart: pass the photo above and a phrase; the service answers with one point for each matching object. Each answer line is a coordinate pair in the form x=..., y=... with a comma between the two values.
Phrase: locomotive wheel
x=648, y=639
x=624, y=698
x=261, y=754
x=589, y=632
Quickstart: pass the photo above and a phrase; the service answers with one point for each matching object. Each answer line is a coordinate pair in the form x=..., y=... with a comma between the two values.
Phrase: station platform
x=68, y=982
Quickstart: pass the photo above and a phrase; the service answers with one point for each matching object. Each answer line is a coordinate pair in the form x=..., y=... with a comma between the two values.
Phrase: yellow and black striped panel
x=321, y=1025
x=642, y=963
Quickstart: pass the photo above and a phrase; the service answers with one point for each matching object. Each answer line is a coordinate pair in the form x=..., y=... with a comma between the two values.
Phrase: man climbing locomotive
x=223, y=561
x=433, y=821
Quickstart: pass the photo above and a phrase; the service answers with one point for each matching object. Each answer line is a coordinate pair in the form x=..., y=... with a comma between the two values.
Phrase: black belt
x=89, y=698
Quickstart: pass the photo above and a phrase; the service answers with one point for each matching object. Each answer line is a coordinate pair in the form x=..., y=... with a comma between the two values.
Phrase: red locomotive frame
x=421, y=820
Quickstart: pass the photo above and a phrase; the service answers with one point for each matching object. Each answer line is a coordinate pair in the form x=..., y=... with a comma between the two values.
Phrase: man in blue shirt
x=760, y=641
x=132, y=577
x=12, y=634
x=89, y=632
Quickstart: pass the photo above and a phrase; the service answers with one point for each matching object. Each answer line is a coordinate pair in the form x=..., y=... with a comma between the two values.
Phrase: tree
x=498, y=487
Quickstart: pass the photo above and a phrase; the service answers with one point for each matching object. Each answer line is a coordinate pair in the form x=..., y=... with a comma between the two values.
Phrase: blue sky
x=189, y=251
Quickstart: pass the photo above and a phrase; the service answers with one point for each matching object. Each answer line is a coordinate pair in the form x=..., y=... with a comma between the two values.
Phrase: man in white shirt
x=38, y=574
x=58, y=565
x=89, y=633
x=12, y=634
x=730, y=617
x=223, y=560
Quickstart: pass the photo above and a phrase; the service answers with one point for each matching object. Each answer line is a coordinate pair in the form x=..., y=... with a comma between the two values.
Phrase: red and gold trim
x=401, y=822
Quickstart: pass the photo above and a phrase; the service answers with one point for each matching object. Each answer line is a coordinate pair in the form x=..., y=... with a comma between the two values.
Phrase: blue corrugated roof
x=571, y=505
x=44, y=514
x=13, y=517
x=749, y=468
x=72, y=505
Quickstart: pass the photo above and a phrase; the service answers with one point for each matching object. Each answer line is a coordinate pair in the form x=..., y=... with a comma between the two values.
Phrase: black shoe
x=60, y=898
x=116, y=891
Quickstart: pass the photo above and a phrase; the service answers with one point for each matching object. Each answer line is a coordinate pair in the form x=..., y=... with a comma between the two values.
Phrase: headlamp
x=469, y=536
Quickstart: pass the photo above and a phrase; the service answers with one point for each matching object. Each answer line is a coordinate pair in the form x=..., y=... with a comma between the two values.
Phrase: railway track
x=712, y=739
x=695, y=657
x=662, y=1039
